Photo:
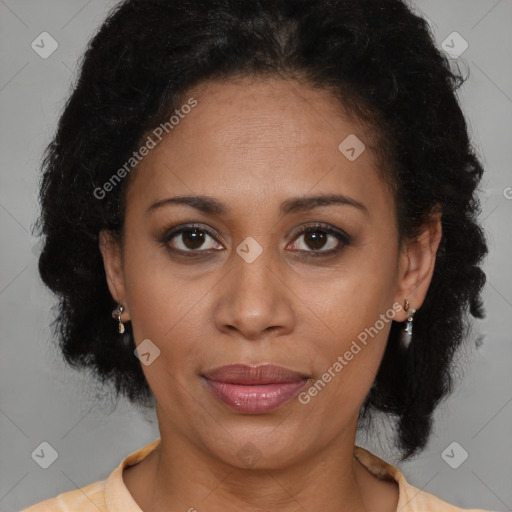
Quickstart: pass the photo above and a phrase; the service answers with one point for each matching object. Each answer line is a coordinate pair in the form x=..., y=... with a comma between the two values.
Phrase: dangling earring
x=408, y=324
x=117, y=314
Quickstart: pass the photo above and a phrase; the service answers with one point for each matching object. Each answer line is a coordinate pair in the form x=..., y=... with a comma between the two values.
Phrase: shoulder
x=416, y=500
x=411, y=499
x=109, y=495
x=88, y=498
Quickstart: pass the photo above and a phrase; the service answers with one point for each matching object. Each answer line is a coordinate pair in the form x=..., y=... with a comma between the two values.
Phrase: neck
x=183, y=475
x=179, y=475
x=190, y=481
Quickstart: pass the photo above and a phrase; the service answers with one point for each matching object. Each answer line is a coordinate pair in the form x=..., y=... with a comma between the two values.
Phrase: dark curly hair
x=382, y=63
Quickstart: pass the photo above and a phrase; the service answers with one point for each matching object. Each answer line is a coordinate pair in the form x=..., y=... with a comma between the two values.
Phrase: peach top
x=111, y=494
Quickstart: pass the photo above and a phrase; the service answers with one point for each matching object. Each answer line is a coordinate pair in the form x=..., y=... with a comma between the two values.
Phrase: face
x=232, y=279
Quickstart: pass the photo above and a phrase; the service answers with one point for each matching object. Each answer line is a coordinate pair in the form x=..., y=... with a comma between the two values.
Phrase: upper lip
x=247, y=375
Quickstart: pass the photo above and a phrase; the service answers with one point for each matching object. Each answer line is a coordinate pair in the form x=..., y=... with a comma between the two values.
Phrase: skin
x=252, y=144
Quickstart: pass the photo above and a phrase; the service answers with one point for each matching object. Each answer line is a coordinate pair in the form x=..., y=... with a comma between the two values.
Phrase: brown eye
x=320, y=240
x=191, y=239
x=315, y=239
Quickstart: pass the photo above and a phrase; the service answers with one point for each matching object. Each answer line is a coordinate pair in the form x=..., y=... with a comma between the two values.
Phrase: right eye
x=191, y=238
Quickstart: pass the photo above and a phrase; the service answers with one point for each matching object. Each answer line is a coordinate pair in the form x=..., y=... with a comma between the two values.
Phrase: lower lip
x=255, y=399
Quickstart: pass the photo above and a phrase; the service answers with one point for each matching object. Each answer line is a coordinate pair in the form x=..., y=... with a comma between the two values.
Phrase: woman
x=262, y=216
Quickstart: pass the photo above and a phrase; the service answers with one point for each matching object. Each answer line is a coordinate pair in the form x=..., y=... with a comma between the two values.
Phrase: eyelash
x=340, y=235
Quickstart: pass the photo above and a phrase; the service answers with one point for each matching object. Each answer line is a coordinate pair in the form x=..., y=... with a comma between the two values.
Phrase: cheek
x=347, y=356
x=165, y=305
x=154, y=298
x=349, y=318
x=350, y=298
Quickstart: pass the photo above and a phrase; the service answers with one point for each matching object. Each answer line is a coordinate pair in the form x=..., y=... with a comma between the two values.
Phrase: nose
x=254, y=300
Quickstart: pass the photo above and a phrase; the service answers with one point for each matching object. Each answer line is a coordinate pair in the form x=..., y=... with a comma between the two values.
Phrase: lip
x=254, y=389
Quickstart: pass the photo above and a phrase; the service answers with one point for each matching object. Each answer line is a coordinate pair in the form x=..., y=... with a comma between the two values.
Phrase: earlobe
x=416, y=267
x=111, y=253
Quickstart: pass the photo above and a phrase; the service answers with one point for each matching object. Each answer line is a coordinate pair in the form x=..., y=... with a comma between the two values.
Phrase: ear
x=112, y=261
x=416, y=265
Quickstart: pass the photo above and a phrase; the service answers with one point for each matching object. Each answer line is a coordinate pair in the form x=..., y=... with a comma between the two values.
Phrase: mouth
x=254, y=389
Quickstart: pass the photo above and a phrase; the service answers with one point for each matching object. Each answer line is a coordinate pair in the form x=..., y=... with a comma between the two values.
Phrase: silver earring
x=409, y=321
x=117, y=314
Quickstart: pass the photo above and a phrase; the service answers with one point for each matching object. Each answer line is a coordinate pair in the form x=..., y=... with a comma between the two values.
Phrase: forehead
x=268, y=114
x=256, y=138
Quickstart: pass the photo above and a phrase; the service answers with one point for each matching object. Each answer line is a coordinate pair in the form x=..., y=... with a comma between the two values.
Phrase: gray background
x=42, y=400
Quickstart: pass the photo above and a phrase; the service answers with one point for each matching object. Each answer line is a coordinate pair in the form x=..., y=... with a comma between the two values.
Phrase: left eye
x=321, y=240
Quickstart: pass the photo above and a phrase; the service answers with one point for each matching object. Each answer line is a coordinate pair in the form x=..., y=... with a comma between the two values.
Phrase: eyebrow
x=211, y=206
